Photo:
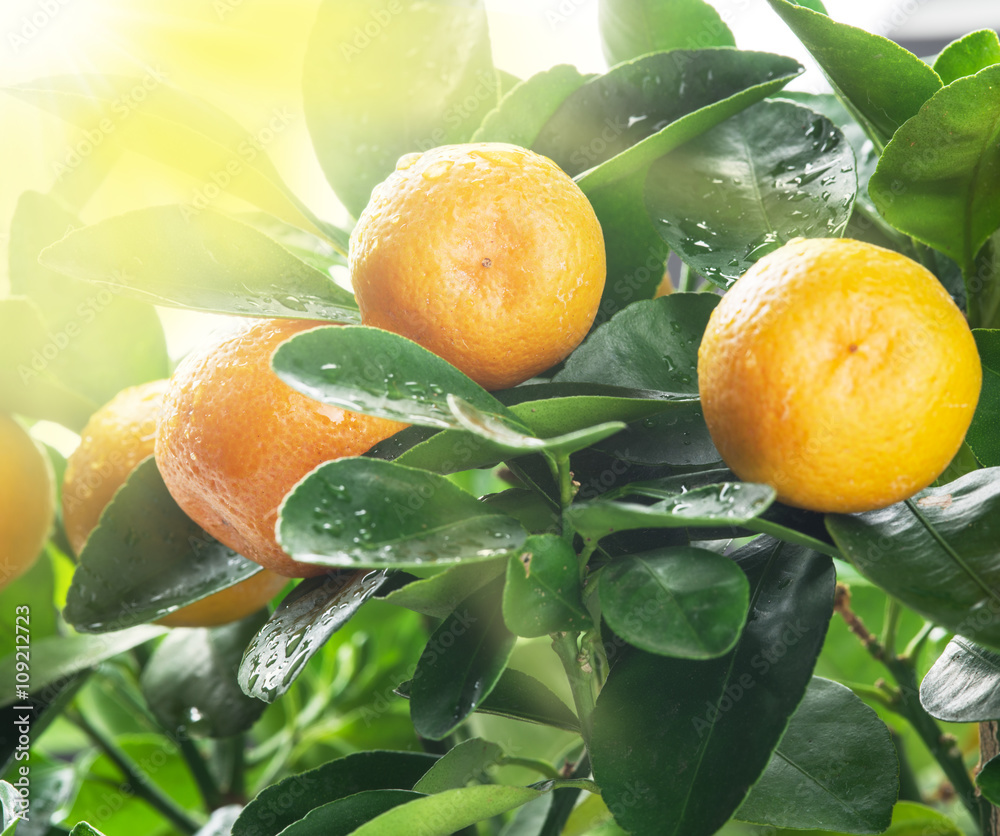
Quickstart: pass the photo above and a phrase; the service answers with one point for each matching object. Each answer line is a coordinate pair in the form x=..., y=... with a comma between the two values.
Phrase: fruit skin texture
x=840, y=373
x=117, y=437
x=27, y=500
x=487, y=254
x=233, y=439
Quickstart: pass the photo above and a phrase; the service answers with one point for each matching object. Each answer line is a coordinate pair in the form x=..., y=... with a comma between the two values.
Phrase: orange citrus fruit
x=117, y=437
x=487, y=254
x=233, y=439
x=840, y=373
x=27, y=500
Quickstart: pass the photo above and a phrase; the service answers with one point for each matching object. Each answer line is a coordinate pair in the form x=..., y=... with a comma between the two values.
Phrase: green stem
x=581, y=686
x=207, y=786
x=578, y=784
x=890, y=626
x=139, y=783
x=686, y=279
x=536, y=764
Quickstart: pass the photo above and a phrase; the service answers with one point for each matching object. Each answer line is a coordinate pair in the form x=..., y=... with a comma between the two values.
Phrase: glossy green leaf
x=988, y=780
x=682, y=601
x=631, y=28
x=344, y=815
x=653, y=104
x=774, y=172
x=881, y=83
x=524, y=110
x=666, y=730
x=668, y=99
x=650, y=345
x=968, y=55
x=728, y=504
x=379, y=373
x=58, y=658
x=636, y=254
x=149, y=116
x=938, y=180
x=171, y=255
x=464, y=763
x=95, y=342
x=495, y=431
x=937, y=553
x=438, y=595
x=519, y=696
x=289, y=800
x=84, y=829
x=461, y=663
x=146, y=558
x=298, y=629
x=542, y=594
x=190, y=680
x=446, y=812
x=28, y=385
x=836, y=760
x=963, y=685
x=383, y=79
x=359, y=513
x=984, y=433
x=12, y=807
x=678, y=438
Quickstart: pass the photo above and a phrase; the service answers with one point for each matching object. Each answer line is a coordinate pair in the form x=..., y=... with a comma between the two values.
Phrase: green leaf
x=524, y=110
x=728, y=504
x=367, y=513
x=936, y=552
x=682, y=601
x=379, y=373
x=382, y=80
x=446, y=812
x=910, y=819
x=461, y=663
x=146, y=558
x=968, y=55
x=464, y=763
x=630, y=28
x=678, y=438
x=149, y=116
x=60, y=657
x=28, y=385
x=774, y=172
x=190, y=680
x=220, y=823
x=666, y=730
x=174, y=255
x=344, y=815
x=519, y=696
x=879, y=81
x=938, y=180
x=646, y=108
x=988, y=780
x=94, y=342
x=836, y=759
x=984, y=433
x=289, y=800
x=12, y=807
x=542, y=594
x=651, y=344
x=438, y=595
x=298, y=629
x=496, y=432
x=636, y=254
x=963, y=685
x=84, y=829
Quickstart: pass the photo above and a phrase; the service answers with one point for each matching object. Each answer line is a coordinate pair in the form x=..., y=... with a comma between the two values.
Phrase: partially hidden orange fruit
x=233, y=439
x=487, y=254
x=840, y=373
x=27, y=500
x=117, y=437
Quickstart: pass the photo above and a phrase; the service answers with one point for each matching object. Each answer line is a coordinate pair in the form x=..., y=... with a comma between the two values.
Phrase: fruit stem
x=210, y=794
x=137, y=782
